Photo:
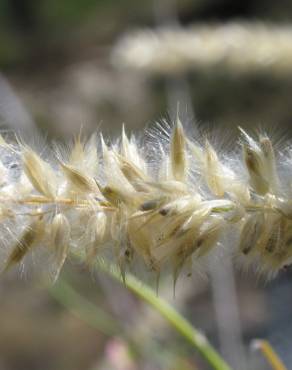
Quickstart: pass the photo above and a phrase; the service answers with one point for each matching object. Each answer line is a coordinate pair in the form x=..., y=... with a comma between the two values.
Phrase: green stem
x=97, y=318
x=181, y=325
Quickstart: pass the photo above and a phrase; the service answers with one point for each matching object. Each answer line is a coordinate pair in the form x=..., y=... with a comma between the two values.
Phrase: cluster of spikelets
x=162, y=202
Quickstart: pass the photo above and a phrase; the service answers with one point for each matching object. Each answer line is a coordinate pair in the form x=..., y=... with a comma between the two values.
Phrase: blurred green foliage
x=29, y=28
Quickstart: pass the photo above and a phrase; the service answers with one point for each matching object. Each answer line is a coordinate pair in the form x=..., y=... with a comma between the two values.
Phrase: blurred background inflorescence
x=99, y=64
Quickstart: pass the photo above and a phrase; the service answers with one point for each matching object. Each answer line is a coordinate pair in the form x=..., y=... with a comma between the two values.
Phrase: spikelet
x=94, y=236
x=78, y=180
x=209, y=235
x=141, y=237
x=260, y=163
x=31, y=235
x=178, y=155
x=59, y=240
x=83, y=155
x=254, y=166
x=269, y=161
x=167, y=203
x=251, y=231
x=39, y=173
x=133, y=174
x=213, y=171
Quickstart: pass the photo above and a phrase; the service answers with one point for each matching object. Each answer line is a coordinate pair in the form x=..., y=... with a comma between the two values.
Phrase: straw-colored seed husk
x=60, y=238
x=78, y=180
x=39, y=173
x=178, y=153
x=25, y=243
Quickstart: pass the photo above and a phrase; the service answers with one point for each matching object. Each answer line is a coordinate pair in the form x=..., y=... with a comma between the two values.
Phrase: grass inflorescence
x=163, y=203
